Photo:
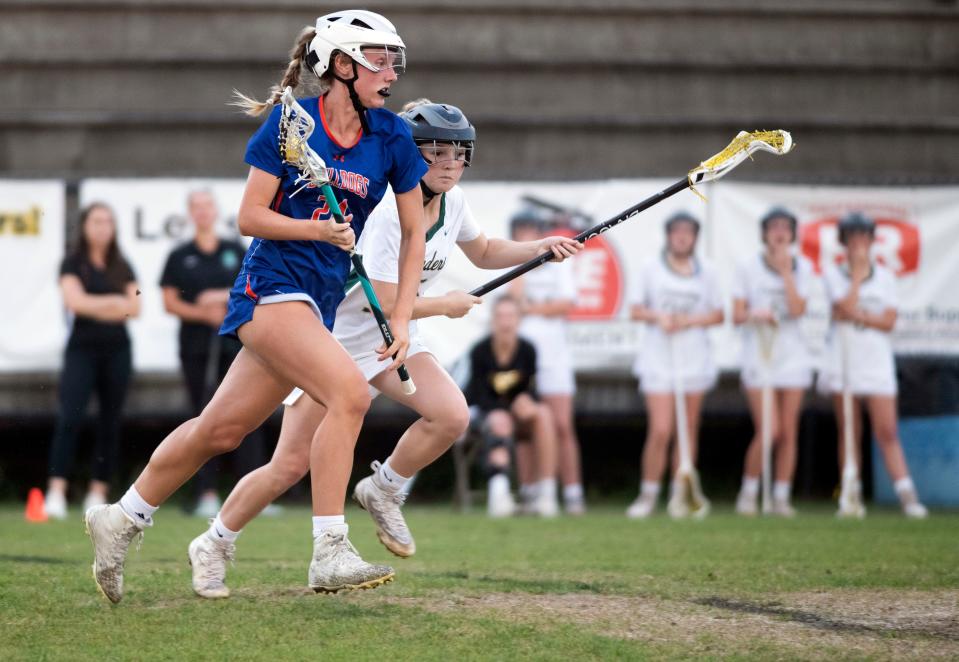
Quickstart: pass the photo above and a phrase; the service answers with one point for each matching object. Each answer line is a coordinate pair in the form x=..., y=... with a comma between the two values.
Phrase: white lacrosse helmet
x=349, y=32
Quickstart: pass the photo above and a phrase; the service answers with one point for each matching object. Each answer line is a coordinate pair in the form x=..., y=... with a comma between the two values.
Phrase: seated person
x=503, y=401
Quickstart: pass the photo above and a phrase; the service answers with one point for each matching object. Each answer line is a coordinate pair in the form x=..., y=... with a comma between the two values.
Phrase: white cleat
x=111, y=531
x=915, y=510
x=546, y=506
x=499, y=499
x=337, y=566
x=782, y=508
x=642, y=507
x=55, y=505
x=208, y=559
x=746, y=504
x=676, y=507
x=575, y=507
x=384, y=507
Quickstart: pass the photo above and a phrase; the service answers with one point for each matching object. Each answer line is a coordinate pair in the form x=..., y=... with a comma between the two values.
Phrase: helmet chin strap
x=428, y=193
x=355, y=98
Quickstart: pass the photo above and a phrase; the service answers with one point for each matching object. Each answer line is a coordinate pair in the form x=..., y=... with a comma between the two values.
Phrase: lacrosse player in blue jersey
x=283, y=304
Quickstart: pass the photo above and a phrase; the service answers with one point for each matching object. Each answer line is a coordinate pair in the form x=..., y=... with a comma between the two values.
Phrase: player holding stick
x=446, y=142
x=770, y=295
x=283, y=304
x=863, y=297
x=678, y=297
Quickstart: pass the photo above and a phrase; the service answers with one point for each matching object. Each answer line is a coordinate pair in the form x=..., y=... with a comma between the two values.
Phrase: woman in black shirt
x=100, y=294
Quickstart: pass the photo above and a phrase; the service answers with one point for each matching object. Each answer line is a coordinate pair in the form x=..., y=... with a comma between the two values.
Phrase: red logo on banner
x=599, y=280
x=897, y=243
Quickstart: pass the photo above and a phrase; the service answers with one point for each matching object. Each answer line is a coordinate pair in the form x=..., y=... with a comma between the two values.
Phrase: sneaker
x=336, y=564
x=111, y=531
x=208, y=559
x=642, y=507
x=55, y=504
x=575, y=507
x=92, y=499
x=676, y=507
x=384, y=507
x=546, y=506
x=746, y=504
x=851, y=505
x=208, y=506
x=915, y=510
x=782, y=508
x=499, y=499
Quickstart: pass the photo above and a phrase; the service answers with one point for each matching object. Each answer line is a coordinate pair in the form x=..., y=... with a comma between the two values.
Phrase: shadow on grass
x=823, y=623
x=45, y=560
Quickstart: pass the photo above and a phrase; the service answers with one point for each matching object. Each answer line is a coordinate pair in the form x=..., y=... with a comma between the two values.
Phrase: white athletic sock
x=527, y=492
x=134, y=506
x=904, y=485
x=546, y=489
x=219, y=532
x=750, y=486
x=573, y=492
x=323, y=522
x=388, y=480
x=781, y=490
x=650, y=488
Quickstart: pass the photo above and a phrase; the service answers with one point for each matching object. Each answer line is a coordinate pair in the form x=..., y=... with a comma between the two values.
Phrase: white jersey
x=379, y=245
x=553, y=281
x=763, y=289
x=659, y=288
x=872, y=369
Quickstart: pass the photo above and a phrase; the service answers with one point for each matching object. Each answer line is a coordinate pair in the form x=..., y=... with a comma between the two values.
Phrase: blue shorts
x=250, y=290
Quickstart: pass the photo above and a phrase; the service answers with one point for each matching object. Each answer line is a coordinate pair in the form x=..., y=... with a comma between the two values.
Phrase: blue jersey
x=359, y=173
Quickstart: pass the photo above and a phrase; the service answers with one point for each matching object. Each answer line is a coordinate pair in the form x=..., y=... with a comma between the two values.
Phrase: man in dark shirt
x=196, y=284
x=502, y=391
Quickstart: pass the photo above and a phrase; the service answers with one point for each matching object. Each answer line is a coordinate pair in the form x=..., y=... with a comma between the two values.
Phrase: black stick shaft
x=357, y=262
x=583, y=236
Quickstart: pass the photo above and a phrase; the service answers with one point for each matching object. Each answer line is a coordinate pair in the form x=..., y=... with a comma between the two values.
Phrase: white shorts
x=555, y=378
x=368, y=364
x=794, y=370
x=877, y=383
x=661, y=383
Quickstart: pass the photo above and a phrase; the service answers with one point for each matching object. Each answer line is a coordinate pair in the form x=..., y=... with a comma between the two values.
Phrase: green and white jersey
x=379, y=245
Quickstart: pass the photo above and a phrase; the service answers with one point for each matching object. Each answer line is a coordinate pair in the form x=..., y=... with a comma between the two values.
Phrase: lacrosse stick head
x=742, y=147
x=296, y=127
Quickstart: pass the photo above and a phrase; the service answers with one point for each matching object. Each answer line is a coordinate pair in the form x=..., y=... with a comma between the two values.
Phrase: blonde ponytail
x=291, y=77
x=410, y=105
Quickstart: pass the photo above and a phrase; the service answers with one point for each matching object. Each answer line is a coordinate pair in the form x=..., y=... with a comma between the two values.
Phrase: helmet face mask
x=436, y=152
x=442, y=132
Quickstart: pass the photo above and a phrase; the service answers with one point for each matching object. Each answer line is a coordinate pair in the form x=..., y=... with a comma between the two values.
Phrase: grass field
x=600, y=587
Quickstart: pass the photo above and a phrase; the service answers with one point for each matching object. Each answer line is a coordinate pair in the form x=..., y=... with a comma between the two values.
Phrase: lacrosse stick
x=741, y=148
x=686, y=474
x=766, y=335
x=296, y=126
x=850, y=495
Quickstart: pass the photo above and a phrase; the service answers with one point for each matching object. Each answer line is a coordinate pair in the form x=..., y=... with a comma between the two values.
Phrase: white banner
x=32, y=224
x=152, y=221
x=917, y=228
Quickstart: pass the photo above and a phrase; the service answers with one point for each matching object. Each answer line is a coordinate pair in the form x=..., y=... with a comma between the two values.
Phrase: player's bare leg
x=444, y=418
x=570, y=469
x=752, y=465
x=246, y=397
x=788, y=403
x=538, y=418
x=660, y=414
x=882, y=415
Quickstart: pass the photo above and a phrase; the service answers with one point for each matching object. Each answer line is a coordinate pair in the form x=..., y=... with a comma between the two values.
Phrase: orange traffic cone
x=35, y=510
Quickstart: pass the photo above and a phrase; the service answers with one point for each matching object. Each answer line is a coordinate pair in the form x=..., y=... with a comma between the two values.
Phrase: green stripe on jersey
x=439, y=222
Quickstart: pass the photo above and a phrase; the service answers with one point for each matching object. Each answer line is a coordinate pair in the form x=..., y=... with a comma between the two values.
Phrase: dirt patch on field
x=846, y=623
